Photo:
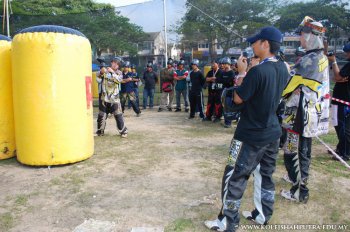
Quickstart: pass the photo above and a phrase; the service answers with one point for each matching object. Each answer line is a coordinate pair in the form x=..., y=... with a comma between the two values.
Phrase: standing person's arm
x=202, y=78
x=339, y=75
x=155, y=77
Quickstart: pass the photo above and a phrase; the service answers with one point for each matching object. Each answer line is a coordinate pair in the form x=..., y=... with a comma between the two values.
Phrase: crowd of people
x=267, y=96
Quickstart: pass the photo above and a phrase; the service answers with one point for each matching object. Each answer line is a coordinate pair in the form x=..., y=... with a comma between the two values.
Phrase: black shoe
x=169, y=109
x=177, y=110
x=100, y=133
x=191, y=117
x=206, y=119
x=160, y=110
x=186, y=110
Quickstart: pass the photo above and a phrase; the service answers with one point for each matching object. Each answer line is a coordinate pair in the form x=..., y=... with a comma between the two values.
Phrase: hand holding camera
x=242, y=64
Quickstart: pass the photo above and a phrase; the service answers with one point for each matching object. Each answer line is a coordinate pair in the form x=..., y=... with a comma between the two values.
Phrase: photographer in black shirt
x=197, y=81
x=254, y=147
x=341, y=91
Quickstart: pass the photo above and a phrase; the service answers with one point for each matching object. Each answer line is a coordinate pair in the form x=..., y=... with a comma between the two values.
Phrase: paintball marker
x=102, y=63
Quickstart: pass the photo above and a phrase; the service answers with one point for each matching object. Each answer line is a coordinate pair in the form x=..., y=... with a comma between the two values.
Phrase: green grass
x=21, y=200
x=9, y=161
x=6, y=221
x=179, y=225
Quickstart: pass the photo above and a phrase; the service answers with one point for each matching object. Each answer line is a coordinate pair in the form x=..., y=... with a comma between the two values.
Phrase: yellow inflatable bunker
x=52, y=95
x=94, y=85
x=7, y=134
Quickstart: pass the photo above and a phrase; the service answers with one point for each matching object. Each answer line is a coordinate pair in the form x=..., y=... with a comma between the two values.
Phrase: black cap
x=267, y=33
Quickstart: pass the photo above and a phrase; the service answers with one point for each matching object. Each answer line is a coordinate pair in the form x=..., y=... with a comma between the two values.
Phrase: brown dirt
x=168, y=171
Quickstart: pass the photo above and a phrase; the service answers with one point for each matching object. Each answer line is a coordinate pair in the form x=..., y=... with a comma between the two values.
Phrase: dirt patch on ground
x=167, y=173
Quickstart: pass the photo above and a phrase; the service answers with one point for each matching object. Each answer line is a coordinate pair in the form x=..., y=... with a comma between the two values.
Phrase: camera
x=245, y=54
x=331, y=53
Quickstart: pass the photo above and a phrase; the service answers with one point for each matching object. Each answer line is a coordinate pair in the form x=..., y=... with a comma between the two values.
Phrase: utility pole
x=8, y=18
x=165, y=34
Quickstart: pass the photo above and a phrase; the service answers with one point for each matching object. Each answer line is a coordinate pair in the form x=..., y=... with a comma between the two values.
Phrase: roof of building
x=152, y=35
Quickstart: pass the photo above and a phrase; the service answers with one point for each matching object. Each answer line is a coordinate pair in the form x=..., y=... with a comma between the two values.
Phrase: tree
x=238, y=18
x=102, y=25
x=335, y=15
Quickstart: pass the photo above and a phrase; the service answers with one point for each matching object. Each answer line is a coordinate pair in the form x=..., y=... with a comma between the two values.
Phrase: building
x=152, y=49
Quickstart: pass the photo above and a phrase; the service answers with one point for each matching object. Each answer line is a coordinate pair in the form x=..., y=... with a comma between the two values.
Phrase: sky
x=149, y=15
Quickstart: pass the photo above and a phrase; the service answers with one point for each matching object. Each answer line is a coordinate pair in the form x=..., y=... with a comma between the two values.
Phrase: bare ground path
x=167, y=173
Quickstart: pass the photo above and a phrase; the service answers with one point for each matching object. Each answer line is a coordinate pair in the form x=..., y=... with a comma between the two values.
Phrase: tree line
x=226, y=21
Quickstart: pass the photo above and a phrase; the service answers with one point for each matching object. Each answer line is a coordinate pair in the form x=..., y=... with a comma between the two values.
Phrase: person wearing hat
x=228, y=79
x=127, y=90
x=167, y=86
x=254, y=146
x=109, y=103
x=306, y=114
x=136, y=82
x=150, y=79
x=181, y=85
x=215, y=87
x=196, y=84
x=341, y=91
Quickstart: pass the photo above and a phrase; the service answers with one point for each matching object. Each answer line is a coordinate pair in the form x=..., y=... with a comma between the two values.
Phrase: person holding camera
x=127, y=90
x=215, y=86
x=150, y=79
x=254, y=147
x=167, y=86
x=109, y=103
x=341, y=91
x=306, y=112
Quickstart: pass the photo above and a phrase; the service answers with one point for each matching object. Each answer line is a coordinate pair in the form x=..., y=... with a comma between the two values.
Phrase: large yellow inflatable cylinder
x=7, y=134
x=52, y=95
x=94, y=85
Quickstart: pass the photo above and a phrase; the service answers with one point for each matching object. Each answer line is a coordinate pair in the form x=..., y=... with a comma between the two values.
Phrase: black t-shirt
x=261, y=92
x=197, y=81
x=227, y=78
x=150, y=79
x=216, y=85
x=341, y=90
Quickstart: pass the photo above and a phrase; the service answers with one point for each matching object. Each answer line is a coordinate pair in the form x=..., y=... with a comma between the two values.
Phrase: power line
x=221, y=24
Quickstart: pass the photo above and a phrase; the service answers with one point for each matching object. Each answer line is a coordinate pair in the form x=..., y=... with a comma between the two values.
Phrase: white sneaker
x=287, y=195
x=247, y=215
x=287, y=179
x=216, y=224
x=124, y=135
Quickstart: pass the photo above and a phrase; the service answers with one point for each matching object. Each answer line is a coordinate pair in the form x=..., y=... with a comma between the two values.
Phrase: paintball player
x=136, y=79
x=228, y=78
x=167, y=86
x=150, y=79
x=254, y=147
x=196, y=84
x=181, y=86
x=341, y=91
x=109, y=102
x=307, y=108
x=127, y=90
x=215, y=86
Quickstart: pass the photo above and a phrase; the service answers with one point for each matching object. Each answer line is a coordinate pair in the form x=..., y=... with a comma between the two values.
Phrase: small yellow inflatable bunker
x=7, y=134
x=51, y=67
